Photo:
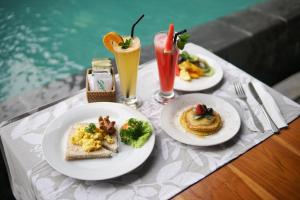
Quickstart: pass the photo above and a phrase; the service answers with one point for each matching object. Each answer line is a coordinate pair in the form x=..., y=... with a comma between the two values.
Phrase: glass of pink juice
x=166, y=62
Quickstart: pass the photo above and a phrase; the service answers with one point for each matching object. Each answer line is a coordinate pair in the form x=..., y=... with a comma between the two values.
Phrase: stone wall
x=263, y=40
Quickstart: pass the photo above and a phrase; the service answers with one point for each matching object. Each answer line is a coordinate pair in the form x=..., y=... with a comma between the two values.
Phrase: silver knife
x=262, y=107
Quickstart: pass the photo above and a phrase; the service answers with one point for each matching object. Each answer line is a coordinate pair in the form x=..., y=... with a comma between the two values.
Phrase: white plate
x=172, y=111
x=202, y=83
x=126, y=160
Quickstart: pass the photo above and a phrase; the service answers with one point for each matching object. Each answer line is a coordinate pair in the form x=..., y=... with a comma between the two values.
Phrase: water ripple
x=41, y=41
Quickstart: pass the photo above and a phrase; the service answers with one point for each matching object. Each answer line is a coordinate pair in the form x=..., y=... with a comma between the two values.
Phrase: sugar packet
x=101, y=77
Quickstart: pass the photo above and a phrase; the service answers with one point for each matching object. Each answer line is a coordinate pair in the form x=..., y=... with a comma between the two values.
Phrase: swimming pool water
x=42, y=41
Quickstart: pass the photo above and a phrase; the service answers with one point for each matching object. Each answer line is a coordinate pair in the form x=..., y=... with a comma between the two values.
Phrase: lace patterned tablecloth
x=171, y=167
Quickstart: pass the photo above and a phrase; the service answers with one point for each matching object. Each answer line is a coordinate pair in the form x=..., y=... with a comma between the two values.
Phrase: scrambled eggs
x=90, y=141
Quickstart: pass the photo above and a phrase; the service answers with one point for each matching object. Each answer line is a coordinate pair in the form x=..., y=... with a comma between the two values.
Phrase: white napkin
x=247, y=116
x=91, y=82
x=105, y=79
x=254, y=106
x=245, y=112
x=268, y=102
x=270, y=105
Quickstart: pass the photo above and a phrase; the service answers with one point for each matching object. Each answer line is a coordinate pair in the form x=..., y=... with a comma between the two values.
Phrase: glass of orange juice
x=127, y=57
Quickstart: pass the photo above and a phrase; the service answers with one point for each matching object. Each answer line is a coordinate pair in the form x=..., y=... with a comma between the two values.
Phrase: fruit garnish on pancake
x=201, y=120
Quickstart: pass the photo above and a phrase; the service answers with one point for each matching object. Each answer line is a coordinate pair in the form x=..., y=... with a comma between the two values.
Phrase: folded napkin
x=270, y=105
x=91, y=82
x=241, y=106
x=100, y=82
x=268, y=102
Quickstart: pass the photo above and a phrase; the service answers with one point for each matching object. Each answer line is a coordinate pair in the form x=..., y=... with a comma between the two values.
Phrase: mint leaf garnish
x=183, y=39
x=126, y=44
x=185, y=55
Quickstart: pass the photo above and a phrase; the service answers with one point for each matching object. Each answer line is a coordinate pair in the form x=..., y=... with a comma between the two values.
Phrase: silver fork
x=242, y=95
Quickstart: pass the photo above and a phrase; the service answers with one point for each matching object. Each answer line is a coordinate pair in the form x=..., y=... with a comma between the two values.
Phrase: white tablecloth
x=171, y=167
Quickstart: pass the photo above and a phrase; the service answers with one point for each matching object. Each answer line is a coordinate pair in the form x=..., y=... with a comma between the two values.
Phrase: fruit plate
x=201, y=83
x=171, y=113
x=126, y=160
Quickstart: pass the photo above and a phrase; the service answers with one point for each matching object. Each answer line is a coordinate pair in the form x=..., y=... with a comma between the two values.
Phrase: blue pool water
x=42, y=41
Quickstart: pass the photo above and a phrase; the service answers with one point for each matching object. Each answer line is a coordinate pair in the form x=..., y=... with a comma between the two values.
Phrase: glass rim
x=166, y=32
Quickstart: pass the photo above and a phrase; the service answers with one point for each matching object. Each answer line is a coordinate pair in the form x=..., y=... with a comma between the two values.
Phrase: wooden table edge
x=243, y=183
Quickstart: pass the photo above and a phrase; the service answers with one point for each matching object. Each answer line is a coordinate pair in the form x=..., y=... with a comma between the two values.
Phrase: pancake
x=203, y=126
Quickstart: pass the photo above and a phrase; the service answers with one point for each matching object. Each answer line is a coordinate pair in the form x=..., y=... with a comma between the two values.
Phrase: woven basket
x=100, y=96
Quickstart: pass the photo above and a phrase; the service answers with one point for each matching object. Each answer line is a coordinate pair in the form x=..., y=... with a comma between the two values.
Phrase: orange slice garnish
x=110, y=38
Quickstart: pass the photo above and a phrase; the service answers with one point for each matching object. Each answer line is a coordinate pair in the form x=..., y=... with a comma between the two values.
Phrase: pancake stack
x=201, y=120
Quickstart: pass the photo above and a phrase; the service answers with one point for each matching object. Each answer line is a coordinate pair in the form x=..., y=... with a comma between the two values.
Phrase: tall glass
x=166, y=62
x=127, y=63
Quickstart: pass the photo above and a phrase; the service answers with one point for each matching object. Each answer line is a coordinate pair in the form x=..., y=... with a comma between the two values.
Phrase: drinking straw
x=178, y=33
x=132, y=28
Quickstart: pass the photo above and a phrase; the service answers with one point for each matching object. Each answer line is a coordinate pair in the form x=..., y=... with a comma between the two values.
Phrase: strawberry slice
x=169, y=42
x=199, y=110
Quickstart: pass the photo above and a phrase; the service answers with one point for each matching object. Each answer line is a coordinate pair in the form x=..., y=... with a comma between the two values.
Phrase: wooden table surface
x=271, y=170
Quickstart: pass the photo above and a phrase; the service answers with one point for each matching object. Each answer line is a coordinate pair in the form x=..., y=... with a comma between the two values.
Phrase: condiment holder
x=101, y=69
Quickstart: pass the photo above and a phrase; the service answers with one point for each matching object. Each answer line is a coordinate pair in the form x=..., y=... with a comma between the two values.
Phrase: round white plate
x=172, y=111
x=127, y=159
x=202, y=83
